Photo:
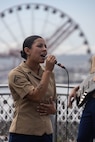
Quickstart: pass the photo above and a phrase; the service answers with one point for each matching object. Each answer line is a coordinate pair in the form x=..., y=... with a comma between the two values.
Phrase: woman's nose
x=44, y=48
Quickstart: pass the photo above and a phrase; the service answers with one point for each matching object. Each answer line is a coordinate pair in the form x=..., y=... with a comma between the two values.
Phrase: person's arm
x=72, y=96
x=38, y=92
x=47, y=108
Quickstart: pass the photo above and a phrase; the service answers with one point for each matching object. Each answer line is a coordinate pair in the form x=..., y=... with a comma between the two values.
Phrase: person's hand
x=47, y=108
x=72, y=96
x=50, y=62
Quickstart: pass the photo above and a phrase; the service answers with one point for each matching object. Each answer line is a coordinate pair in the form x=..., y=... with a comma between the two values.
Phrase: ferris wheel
x=60, y=30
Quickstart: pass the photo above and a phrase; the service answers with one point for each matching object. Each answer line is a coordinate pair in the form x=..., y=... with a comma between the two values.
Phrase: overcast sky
x=81, y=11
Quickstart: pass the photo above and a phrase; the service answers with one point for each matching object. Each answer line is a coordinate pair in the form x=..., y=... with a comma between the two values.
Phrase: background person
x=86, y=131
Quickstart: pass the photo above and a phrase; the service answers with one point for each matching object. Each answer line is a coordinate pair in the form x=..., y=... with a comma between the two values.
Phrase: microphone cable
x=63, y=67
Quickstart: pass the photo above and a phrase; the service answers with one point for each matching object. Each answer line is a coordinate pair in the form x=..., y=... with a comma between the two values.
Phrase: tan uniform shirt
x=26, y=119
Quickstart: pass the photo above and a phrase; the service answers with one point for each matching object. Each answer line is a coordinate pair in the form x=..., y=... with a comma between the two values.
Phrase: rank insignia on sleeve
x=17, y=79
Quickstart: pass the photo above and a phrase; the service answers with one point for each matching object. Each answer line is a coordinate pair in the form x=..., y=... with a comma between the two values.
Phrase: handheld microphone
x=60, y=65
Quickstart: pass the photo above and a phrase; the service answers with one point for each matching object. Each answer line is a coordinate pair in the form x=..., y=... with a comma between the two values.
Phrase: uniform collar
x=29, y=71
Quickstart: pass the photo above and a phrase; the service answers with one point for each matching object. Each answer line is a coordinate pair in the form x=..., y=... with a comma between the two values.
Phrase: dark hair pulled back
x=28, y=43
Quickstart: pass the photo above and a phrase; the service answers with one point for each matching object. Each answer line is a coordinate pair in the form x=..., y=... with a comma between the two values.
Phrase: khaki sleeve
x=19, y=84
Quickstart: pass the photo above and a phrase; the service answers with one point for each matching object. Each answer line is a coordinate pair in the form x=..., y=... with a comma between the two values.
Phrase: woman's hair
x=28, y=43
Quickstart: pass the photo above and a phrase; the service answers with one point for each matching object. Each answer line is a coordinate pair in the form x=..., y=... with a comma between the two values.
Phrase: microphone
x=60, y=65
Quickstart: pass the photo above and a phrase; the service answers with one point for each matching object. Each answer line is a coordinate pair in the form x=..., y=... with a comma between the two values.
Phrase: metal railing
x=65, y=122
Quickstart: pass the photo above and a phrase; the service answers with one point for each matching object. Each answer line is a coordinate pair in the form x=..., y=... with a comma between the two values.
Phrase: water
x=76, y=73
x=6, y=64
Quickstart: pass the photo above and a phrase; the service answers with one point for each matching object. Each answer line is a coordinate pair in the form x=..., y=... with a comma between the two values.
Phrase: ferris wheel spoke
x=21, y=28
x=45, y=23
x=57, y=32
x=61, y=35
x=32, y=21
x=8, y=29
x=64, y=35
x=4, y=42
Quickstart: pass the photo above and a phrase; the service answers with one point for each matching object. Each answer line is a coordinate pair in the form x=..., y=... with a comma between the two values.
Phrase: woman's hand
x=72, y=96
x=50, y=62
x=47, y=108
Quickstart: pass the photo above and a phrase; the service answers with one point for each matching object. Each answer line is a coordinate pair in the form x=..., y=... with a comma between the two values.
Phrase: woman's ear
x=27, y=50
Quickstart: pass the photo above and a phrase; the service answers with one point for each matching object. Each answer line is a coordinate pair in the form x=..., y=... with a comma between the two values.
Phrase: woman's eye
x=41, y=46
